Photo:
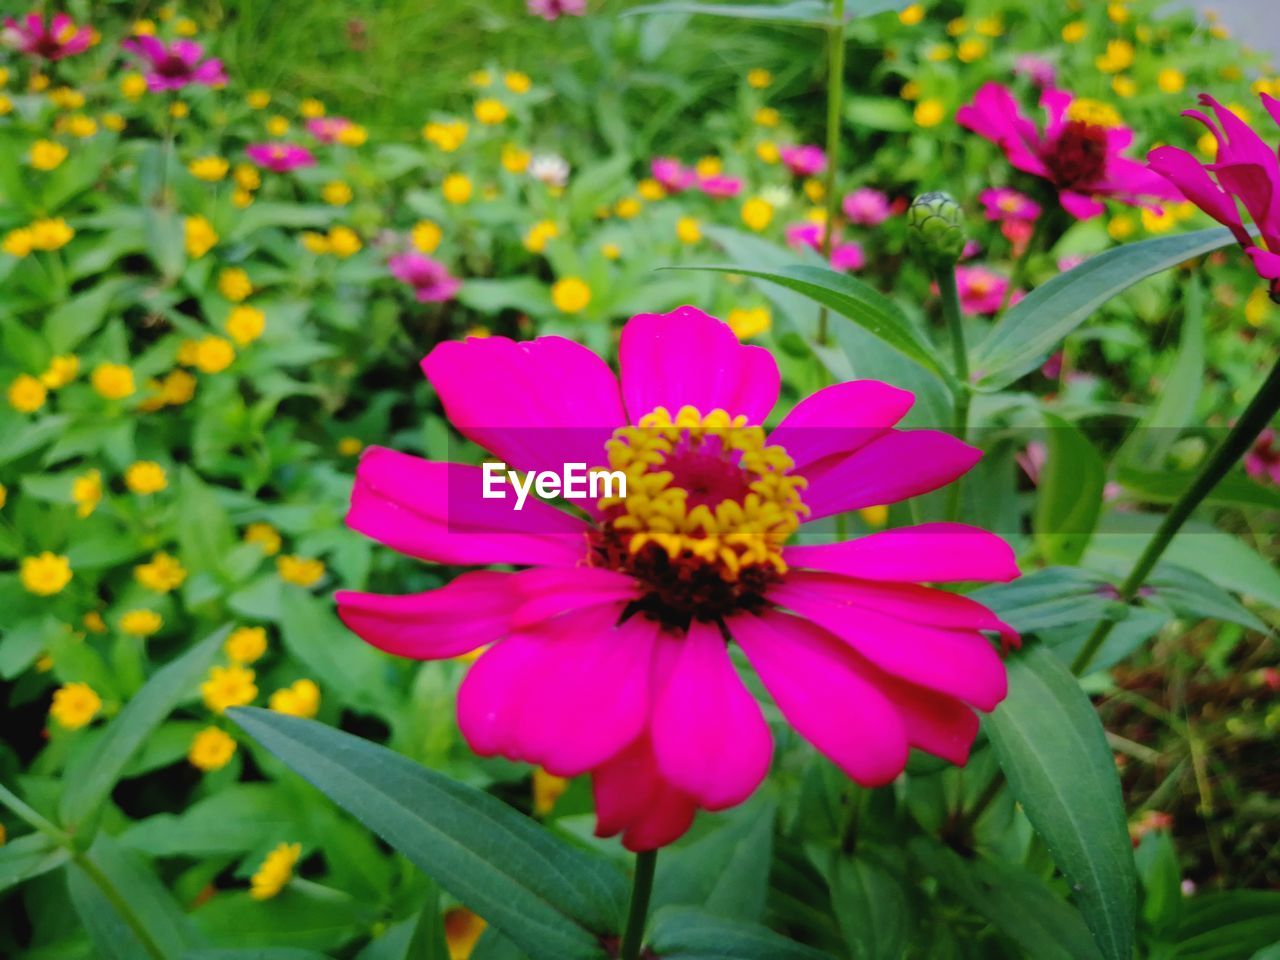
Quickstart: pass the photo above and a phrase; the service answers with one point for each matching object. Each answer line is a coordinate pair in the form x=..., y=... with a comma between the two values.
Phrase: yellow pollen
x=1095, y=113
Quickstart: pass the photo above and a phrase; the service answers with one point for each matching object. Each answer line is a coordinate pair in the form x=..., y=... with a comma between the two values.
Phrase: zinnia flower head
x=672, y=174
x=280, y=157
x=981, y=290
x=804, y=160
x=867, y=207
x=429, y=278
x=806, y=233
x=1262, y=462
x=57, y=39
x=327, y=129
x=1245, y=173
x=720, y=185
x=175, y=66
x=848, y=257
x=1036, y=69
x=1003, y=203
x=1080, y=150
x=610, y=649
x=554, y=9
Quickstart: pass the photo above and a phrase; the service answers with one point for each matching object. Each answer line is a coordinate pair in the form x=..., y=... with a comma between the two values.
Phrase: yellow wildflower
x=929, y=113
x=311, y=108
x=246, y=644
x=766, y=117
x=277, y=126
x=112, y=381
x=748, y=322
x=211, y=169
x=344, y=242
x=141, y=623
x=245, y=325
x=757, y=213
x=515, y=159
x=26, y=393
x=133, y=86
x=75, y=705
x=427, y=236
x=570, y=295
x=265, y=536
x=759, y=78
x=490, y=111
x=456, y=188
x=62, y=370
x=212, y=749
x=299, y=699
x=44, y=574
x=349, y=446
x=225, y=687
x=276, y=871
x=535, y=241
x=86, y=493
x=517, y=82
x=300, y=571
x=199, y=236
x=336, y=193
x=688, y=230
x=47, y=154
x=214, y=354
x=258, y=99
x=234, y=284
x=247, y=176
x=162, y=573
x=145, y=477
x=910, y=16
x=51, y=233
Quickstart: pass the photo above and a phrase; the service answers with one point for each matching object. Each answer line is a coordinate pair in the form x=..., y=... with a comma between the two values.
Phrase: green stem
x=1256, y=417
x=945, y=275
x=835, y=102
x=119, y=904
x=31, y=816
x=638, y=912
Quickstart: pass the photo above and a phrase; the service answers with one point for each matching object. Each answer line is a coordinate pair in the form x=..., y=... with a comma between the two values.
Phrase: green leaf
x=267, y=213
x=1069, y=495
x=1228, y=925
x=1049, y=598
x=552, y=900
x=527, y=294
x=292, y=919
x=233, y=821
x=1029, y=331
x=28, y=857
x=879, y=113
x=67, y=324
x=854, y=300
x=685, y=933
x=1189, y=594
x=165, y=232
x=204, y=527
x=92, y=776
x=812, y=13
x=1166, y=486
x=871, y=907
x=314, y=635
x=256, y=953
x=1052, y=749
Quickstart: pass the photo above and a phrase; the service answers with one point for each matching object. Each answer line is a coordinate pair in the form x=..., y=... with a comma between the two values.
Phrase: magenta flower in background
x=327, y=129
x=867, y=207
x=1003, y=203
x=672, y=174
x=720, y=186
x=1036, y=69
x=982, y=291
x=1080, y=150
x=806, y=233
x=804, y=160
x=59, y=39
x=1246, y=173
x=178, y=65
x=848, y=257
x=606, y=649
x=554, y=9
x=1262, y=462
x=429, y=278
x=280, y=157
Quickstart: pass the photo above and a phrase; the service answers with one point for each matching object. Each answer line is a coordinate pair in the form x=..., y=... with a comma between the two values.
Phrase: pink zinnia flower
x=326, y=129
x=848, y=257
x=672, y=174
x=177, y=65
x=1002, y=203
x=280, y=157
x=1262, y=462
x=981, y=290
x=554, y=9
x=867, y=207
x=804, y=160
x=1080, y=150
x=61, y=38
x=608, y=651
x=720, y=185
x=806, y=233
x=429, y=278
x=1039, y=71
x=1248, y=175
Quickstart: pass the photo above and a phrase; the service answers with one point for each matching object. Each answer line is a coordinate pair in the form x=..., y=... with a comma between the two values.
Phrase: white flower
x=550, y=168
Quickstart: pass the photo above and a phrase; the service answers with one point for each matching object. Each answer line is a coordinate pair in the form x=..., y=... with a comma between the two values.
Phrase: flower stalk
x=835, y=106
x=1262, y=408
x=638, y=911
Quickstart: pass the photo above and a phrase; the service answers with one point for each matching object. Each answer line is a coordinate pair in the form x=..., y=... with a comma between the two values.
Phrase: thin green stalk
x=835, y=107
x=945, y=274
x=638, y=912
x=119, y=904
x=1252, y=422
x=32, y=817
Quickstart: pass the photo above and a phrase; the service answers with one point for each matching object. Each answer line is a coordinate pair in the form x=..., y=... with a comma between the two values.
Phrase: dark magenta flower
x=280, y=157
x=60, y=38
x=867, y=207
x=178, y=65
x=429, y=278
x=804, y=160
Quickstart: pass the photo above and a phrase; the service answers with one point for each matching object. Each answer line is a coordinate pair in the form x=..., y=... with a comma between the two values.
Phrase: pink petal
x=1272, y=106
x=896, y=466
x=686, y=358
x=547, y=592
x=840, y=418
x=1266, y=263
x=927, y=553
x=958, y=662
x=1190, y=176
x=936, y=724
x=537, y=405
x=709, y=736
x=993, y=113
x=818, y=685
x=1080, y=206
x=633, y=799
x=434, y=511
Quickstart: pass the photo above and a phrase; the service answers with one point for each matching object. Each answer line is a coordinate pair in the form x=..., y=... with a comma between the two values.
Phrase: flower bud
x=937, y=226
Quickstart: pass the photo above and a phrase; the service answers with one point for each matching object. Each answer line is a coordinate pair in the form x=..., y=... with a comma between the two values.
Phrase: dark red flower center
x=173, y=67
x=1078, y=157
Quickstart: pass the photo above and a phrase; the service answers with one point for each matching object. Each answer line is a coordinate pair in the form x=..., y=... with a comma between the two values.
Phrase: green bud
x=937, y=226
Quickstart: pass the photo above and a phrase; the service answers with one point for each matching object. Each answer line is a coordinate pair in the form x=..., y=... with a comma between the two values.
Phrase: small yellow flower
x=211, y=169
x=547, y=789
x=456, y=188
x=311, y=108
x=141, y=623
x=352, y=135
x=938, y=53
x=1207, y=144
x=47, y=154
x=79, y=126
x=535, y=241
x=1161, y=222
x=246, y=644
x=344, y=242
x=300, y=571
x=929, y=113
x=26, y=393
x=45, y=574
x=245, y=325
x=709, y=167
x=462, y=931
x=971, y=49
x=768, y=151
x=113, y=122
x=300, y=699
x=162, y=573
x=766, y=117
x=18, y=242
x=570, y=295
x=178, y=110
x=480, y=78
x=815, y=190
x=211, y=749
x=185, y=27
x=93, y=622
x=336, y=193
x=65, y=98
x=427, y=236
x=748, y=322
x=225, y=687
x=1119, y=56
x=688, y=230
x=1257, y=307
x=1117, y=12
x=515, y=159
x=276, y=871
x=650, y=189
x=874, y=517
x=247, y=176
x=75, y=705
x=6, y=106
x=490, y=111
x=265, y=536
x=628, y=208
x=990, y=27
x=62, y=370
x=759, y=78
x=133, y=86
x=277, y=126
x=757, y=213
x=214, y=354
x=50, y=234
x=241, y=198
x=448, y=136
x=86, y=493
x=611, y=251
x=145, y=477
x=112, y=381
x=1171, y=80
x=38, y=83
x=199, y=236
x=349, y=446
x=316, y=243
x=177, y=387
x=234, y=284
x=1121, y=227
x=1124, y=86
x=4, y=495
x=258, y=99
x=517, y=82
